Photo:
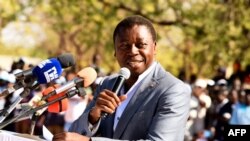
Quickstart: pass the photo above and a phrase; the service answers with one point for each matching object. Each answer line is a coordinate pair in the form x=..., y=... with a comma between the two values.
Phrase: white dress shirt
x=129, y=94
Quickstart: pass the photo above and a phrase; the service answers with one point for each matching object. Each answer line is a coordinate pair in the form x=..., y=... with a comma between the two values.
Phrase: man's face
x=135, y=49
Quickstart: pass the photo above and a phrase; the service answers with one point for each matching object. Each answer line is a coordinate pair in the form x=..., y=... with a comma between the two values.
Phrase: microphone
x=59, y=106
x=84, y=78
x=37, y=101
x=123, y=75
x=56, y=107
x=70, y=93
x=45, y=72
x=65, y=60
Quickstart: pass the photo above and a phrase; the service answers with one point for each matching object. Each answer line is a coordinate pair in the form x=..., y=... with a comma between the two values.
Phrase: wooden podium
x=12, y=136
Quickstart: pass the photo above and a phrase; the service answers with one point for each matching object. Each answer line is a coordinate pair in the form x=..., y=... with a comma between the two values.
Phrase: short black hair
x=130, y=21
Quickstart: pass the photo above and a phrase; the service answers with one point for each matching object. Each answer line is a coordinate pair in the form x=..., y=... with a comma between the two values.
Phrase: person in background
x=200, y=102
x=241, y=112
x=238, y=73
x=152, y=104
x=223, y=113
x=220, y=74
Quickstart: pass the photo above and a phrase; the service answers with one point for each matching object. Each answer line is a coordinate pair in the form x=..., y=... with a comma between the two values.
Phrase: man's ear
x=155, y=48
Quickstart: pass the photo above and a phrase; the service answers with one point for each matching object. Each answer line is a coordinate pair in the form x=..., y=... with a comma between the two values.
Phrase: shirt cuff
x=94, y=127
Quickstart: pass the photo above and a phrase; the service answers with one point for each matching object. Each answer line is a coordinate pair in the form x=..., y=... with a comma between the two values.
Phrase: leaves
x=200, y=35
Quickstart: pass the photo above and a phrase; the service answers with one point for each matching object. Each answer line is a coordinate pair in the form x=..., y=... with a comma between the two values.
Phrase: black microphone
x=123, y=74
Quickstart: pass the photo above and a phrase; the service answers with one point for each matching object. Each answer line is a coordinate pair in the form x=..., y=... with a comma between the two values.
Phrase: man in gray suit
x=152, y=105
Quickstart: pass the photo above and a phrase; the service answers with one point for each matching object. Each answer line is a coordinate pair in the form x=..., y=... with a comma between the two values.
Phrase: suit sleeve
x=81, y=125
x=171, y=115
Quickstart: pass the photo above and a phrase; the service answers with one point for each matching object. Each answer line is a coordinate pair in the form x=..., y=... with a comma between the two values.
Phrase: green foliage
x=198, y=36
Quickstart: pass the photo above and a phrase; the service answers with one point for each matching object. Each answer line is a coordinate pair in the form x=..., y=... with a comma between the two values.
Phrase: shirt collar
x=147, y=71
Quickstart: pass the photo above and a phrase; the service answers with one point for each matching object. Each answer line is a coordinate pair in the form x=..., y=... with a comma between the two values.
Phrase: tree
x=197, y=35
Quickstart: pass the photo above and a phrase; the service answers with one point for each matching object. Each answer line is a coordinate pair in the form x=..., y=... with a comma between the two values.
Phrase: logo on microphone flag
x=51, y=74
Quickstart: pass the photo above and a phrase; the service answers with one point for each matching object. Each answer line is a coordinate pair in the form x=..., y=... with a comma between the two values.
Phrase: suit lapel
x=148, y=84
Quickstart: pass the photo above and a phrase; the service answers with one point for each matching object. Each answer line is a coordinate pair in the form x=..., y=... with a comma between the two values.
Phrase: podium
x=12, y=136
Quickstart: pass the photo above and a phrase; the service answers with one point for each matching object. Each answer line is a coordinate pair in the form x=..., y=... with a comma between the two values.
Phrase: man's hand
x=70, y=136
x=107, y=102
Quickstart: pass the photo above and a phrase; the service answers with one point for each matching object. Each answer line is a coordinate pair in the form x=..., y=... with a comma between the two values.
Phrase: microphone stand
x=33, y=124
x=26, y=91
x=34, y=119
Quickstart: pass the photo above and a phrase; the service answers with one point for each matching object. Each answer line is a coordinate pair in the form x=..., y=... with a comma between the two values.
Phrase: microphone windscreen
x=59, y=106
x=88, y=75
x=66, y=60
x=125, y=72
x=47, y=71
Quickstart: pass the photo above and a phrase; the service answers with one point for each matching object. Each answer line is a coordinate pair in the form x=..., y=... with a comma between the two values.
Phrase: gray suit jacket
x=157, y=111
